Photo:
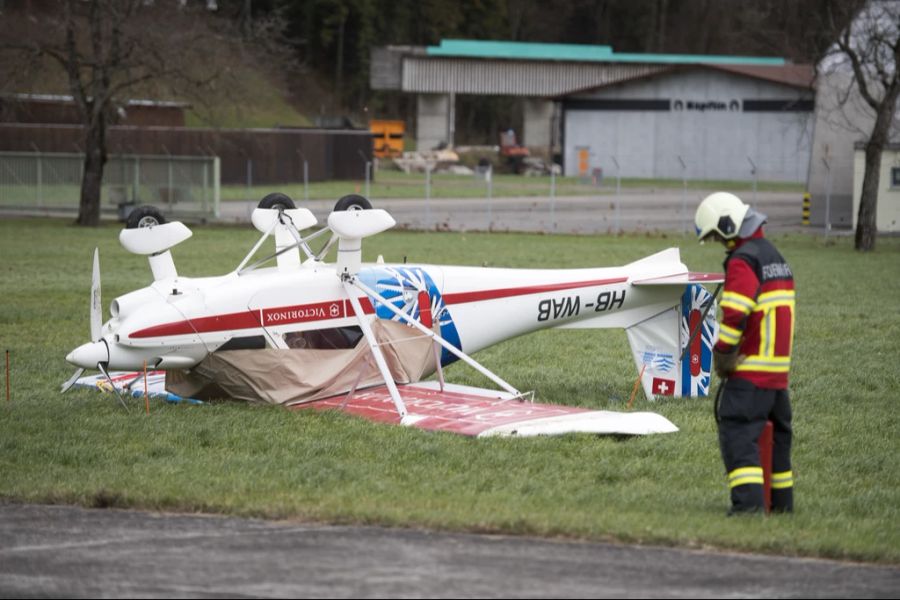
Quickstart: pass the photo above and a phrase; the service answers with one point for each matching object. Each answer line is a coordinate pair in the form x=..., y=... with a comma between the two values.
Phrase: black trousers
x=742, y=410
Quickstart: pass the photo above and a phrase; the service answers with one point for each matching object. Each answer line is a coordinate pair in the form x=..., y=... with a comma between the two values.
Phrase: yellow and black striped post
x=806, y=198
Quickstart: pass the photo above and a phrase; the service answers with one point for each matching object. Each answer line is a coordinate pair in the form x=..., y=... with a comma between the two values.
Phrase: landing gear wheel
x=276, y=200
x=144, y=216
x=352, y=202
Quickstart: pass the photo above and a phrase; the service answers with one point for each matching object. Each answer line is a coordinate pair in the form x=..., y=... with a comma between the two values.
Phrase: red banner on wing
x=453, y=411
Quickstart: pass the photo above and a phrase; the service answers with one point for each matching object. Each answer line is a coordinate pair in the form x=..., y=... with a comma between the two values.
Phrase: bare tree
x=870, y=48
x=108, y=49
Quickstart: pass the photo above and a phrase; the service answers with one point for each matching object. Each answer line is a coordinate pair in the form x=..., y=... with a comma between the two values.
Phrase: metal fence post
x=553, y=196
x=827, y=197
x=171, y=182
x=135, y=192
x=490, y=196
x=683, y=196
x=205, y=186
x=40, y=181
x=754, y=172
x=428, y=168
x=305, y=164
x=305, y=180
x=618, y=195
x=217, y=181
x=249, y=179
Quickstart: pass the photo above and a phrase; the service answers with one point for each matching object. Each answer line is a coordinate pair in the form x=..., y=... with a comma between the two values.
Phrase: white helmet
x=721, y=213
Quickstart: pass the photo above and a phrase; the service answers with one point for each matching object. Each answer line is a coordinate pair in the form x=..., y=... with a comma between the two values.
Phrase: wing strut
x=408, y=319
x=376, y=350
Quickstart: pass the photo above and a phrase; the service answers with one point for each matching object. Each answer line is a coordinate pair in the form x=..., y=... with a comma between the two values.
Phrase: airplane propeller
x=96, y=328
x=96, y=311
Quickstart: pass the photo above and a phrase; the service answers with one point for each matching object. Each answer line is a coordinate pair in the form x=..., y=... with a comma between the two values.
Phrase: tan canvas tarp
x=303, y=375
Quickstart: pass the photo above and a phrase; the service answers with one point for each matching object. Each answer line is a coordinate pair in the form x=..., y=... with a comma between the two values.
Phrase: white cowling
x=351, y=226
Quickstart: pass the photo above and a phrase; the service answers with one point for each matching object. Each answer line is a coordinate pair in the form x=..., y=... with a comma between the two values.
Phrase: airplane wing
x=459, y=409
x=479, y=412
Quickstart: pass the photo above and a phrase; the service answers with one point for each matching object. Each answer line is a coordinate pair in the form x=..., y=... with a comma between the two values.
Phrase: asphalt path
x=633, y=211
x=64, y=551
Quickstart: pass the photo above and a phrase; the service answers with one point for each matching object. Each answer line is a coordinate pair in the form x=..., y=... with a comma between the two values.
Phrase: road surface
x=638, y=211
x=64, y=551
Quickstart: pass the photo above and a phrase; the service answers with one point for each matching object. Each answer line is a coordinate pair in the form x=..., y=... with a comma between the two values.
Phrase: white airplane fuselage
x=176, y=322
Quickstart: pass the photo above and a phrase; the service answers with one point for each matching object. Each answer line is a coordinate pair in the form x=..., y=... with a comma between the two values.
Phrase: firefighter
x=752, y=356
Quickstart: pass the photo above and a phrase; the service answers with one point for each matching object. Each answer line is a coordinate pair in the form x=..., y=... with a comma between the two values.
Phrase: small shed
x=888, y=208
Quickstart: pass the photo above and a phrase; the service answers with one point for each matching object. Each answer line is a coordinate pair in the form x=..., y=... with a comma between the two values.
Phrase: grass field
x=396, y=184
x=231, y=458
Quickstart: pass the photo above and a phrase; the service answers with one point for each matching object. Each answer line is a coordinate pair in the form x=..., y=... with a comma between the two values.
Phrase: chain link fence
x=45, y=183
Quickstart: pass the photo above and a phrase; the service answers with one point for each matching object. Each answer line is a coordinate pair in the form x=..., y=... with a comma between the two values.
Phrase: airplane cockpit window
x=335, y=338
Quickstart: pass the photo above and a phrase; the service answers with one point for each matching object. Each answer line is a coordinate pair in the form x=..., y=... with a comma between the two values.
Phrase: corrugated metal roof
x=582, y=52
x=512, y=78
x=801, y=76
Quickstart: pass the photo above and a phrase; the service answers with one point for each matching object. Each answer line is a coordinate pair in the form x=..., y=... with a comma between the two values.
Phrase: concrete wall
x=700, y=116
x=538, y=123
x=888, y=210
x=432, y=120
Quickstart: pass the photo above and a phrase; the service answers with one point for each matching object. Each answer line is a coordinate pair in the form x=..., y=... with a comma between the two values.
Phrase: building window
x=895, y=177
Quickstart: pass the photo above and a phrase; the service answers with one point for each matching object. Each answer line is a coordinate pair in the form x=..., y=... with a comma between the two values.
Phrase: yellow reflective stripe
x=769, y=360
x=762, y=369
x=763, y=306
x=767, y=339
x=771, y=300
x=746, y=480
x=783, y=480
x=745, y=476
x=768, y=364
x=737, y=302
x=745, y=471
x=776, y=295
x=729, y=335
x=740, y=307
x=791, y=339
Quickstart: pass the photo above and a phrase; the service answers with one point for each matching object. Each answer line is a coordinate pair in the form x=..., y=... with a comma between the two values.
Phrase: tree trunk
x=866, y=225
x=92, y=181
x=866, y=221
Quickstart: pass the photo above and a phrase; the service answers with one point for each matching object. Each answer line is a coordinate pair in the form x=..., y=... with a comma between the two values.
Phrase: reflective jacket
x=758, y=312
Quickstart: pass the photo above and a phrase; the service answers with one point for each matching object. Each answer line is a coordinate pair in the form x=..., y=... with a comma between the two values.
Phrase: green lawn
x=396, y=184
x=231, y=458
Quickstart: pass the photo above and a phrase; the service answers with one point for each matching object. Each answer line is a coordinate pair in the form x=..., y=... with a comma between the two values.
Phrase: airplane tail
x=673, y=350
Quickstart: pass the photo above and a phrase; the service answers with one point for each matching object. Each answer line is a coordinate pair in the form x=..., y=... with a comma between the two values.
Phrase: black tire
x=352, y=202
x=144, y=216
x=276, y=200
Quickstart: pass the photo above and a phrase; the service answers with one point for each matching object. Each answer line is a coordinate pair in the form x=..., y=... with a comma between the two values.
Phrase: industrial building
x=638, y=115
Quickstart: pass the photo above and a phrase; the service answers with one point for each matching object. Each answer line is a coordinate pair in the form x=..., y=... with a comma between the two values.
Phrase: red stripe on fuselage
x=301, y=313
x=242, y=320
x=465, y=297
x=304, y=313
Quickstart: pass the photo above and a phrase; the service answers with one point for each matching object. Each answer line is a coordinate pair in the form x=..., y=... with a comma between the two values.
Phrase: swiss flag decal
x=663, y=387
